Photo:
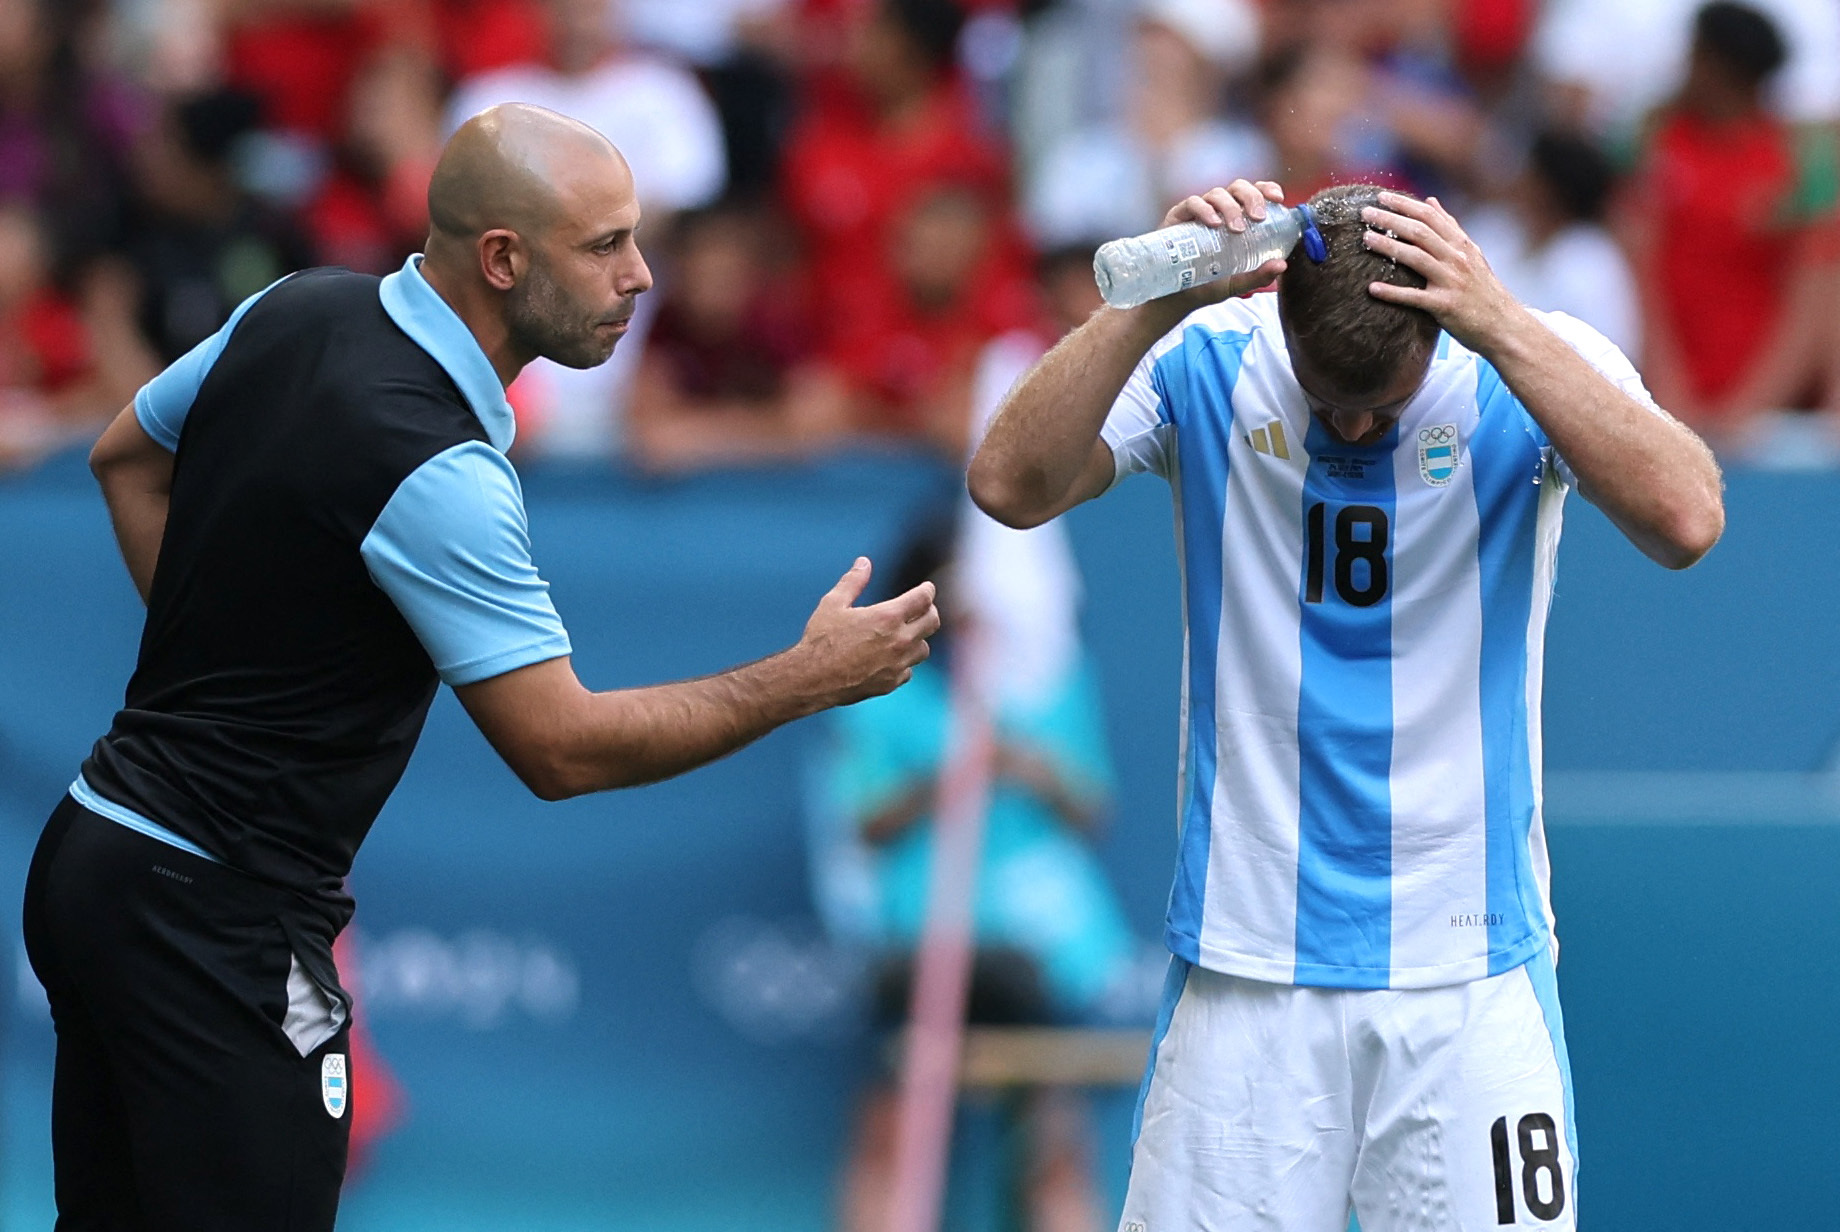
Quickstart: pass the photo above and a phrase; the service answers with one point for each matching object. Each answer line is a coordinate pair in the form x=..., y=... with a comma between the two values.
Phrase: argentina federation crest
x=334, y=1086
x=1437, y=454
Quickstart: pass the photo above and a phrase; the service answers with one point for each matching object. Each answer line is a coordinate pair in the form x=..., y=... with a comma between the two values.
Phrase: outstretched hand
x=857, y=652
x=1460, y=289
x=1234, y=207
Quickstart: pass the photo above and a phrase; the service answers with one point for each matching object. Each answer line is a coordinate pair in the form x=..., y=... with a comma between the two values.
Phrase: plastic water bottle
x=1145, y=267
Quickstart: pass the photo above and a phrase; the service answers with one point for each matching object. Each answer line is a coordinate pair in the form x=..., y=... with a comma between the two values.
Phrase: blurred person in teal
x=1052, y=943
x=1051, y=936
x=1052, y=946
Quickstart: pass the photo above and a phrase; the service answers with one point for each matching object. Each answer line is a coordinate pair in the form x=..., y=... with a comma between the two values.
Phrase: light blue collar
x=420, y=312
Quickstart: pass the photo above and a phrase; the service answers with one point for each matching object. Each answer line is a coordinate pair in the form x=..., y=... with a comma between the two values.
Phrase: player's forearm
x=1042, y=437
x=1649, y=473
x=631, y=736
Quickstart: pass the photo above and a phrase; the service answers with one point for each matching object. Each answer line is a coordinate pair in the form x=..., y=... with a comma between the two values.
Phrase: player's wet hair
x=1354, y=340
x=1741, y=38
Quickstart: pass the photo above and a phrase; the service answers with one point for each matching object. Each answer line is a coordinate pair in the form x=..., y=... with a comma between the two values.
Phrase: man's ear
x=502, y=259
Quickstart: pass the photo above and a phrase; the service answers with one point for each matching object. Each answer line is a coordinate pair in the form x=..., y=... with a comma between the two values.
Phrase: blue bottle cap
x=1313, y=246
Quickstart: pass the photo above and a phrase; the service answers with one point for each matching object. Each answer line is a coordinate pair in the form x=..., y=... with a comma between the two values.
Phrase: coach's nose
x=635, y=275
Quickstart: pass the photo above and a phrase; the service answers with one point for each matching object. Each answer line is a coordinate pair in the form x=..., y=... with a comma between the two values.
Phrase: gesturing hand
x=857, y=652
x=1460, y=289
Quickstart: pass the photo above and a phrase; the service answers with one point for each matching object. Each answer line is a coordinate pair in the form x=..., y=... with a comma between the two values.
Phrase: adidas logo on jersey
x=1270, y=440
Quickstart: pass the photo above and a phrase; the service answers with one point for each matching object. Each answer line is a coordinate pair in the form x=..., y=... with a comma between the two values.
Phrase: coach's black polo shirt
x=344, y=529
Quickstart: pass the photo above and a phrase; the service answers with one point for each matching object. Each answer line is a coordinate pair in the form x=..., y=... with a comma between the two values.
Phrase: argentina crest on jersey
x=1437, y=454
x=333, y=1084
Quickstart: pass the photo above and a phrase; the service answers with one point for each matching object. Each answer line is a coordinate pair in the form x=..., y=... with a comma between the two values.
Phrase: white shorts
x=1269, y=1106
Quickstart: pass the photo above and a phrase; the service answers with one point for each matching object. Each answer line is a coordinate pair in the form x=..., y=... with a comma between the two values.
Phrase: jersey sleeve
x=162, y=404
x=452, y=550
x=1603, y=355
x=1140, y=430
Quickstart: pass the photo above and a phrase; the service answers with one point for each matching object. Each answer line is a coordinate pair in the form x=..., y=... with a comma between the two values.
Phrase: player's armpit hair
x=1353, y=339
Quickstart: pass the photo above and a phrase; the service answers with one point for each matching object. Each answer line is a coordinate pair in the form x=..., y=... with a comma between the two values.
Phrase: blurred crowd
x=858, y=210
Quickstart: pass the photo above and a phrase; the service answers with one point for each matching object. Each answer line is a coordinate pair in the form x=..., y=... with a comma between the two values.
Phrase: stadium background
x=623, y=1012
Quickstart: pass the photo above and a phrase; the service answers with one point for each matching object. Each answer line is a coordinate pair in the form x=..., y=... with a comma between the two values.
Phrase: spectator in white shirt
x=1548, y=246
x=1111, y=179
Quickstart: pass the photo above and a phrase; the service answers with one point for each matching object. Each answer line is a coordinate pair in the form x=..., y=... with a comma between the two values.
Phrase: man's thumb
x=850, y=586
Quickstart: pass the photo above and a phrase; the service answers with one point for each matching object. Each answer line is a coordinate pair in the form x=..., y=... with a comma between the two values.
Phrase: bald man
x=316, y=506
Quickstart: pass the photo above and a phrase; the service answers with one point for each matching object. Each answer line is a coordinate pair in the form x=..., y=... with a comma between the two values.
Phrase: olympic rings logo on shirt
x=1442, y=434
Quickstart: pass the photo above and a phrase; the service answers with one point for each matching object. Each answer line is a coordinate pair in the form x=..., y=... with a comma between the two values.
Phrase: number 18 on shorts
x=1278, y=1108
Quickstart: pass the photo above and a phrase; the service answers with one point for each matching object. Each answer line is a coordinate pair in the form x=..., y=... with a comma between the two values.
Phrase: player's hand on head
x=864, y=651
x=1234, y=207
x=1460, y=289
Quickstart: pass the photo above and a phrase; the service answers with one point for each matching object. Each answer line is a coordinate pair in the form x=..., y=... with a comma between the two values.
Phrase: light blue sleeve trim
x=163, y=403
x=84, y=794
x=452, y=550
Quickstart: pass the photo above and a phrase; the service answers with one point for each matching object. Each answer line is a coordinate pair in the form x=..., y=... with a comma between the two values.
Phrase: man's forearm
x=564, y=740
x=627, y=737
x=1651, y=475
x=1043, y=436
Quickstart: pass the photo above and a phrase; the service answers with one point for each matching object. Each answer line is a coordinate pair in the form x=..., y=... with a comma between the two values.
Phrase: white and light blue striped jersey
x=1364, y=631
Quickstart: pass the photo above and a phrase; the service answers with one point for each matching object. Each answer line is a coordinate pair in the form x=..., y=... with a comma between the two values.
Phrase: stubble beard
x=543, y=320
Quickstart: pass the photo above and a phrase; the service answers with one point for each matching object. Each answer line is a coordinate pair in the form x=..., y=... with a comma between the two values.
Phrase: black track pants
x=179, y=1103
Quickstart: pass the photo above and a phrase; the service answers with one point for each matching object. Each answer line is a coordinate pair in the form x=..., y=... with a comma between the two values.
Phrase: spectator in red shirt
x=298, y=57
x=858, y=180
x=910, y=353
x=1727, y=229
x=371, y=211
x=301, y=57
x=478, y=36
x=354, y=88
x=899, y=120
